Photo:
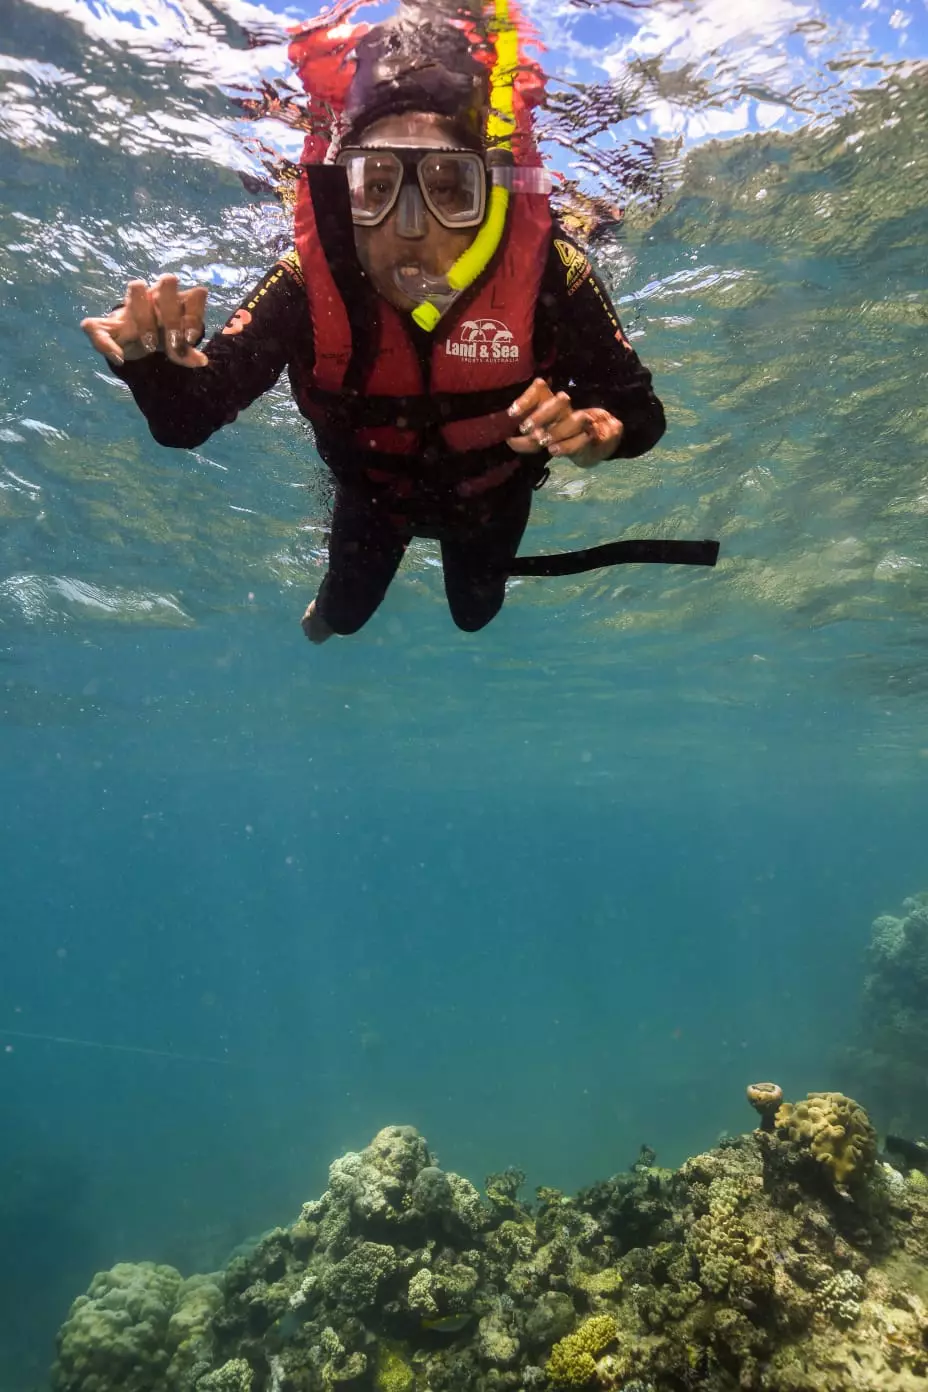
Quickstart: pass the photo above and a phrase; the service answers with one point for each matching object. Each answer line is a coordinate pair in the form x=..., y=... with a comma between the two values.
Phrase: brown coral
x=836, y=1130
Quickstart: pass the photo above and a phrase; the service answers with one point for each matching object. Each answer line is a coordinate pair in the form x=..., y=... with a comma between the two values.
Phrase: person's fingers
x=533, y=396
x=605, y=428
x=167, y=305
x=572, y=445
x=545, y=417
x=524, y=444
x=598, y=439
x=141, y=314
x=572, y=423
x=193, y=307
x=97, y=330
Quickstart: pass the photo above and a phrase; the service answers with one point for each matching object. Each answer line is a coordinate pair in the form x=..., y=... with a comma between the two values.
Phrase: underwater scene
x=455, y=1005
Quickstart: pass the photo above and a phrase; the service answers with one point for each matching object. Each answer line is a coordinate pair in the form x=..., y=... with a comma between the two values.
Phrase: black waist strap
x=649, y=552
x=413, y=412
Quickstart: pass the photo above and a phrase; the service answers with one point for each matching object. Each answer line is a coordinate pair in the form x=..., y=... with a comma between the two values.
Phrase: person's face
x=402, y=243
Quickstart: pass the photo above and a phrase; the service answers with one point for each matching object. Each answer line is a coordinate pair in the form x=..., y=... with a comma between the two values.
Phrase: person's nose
x=411, y=213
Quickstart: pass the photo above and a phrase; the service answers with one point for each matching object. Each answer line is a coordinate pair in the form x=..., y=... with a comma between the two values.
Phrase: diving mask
x=452, y=183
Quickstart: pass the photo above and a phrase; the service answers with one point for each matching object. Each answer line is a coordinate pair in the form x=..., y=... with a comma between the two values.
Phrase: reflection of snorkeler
x=444, y=337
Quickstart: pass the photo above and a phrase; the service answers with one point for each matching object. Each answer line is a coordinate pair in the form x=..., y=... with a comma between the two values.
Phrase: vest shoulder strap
x=328, y=191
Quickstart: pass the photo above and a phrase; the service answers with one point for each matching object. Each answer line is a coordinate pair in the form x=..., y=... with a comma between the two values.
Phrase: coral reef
x=889, y=1057
x=786, y=1260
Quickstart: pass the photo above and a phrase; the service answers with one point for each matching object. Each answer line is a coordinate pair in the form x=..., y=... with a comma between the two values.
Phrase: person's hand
x=550, y=422
x=154, y=319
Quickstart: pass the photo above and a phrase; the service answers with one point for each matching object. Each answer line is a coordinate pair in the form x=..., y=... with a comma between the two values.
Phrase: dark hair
x=427, y=67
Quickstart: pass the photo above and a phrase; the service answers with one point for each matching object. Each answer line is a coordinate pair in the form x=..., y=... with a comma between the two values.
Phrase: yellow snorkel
x=500, y=126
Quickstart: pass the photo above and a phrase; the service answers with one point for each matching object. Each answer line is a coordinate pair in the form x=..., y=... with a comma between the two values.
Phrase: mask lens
x=374, y=180
x=454, y=187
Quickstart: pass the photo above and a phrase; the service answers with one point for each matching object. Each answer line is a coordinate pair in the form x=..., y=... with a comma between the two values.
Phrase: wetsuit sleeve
x=184, y=406
x=593, y=359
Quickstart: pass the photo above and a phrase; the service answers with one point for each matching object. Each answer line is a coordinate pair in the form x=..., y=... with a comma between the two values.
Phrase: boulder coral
x=139, y=1327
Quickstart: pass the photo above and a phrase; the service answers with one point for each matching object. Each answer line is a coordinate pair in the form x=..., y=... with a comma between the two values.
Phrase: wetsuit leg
x=476, y=551
x=366, y=545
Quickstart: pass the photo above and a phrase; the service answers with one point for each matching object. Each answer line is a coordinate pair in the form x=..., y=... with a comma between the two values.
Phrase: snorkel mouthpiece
x=431, y=291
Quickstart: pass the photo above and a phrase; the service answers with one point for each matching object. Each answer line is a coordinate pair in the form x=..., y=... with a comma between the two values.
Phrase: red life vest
x=482, y=345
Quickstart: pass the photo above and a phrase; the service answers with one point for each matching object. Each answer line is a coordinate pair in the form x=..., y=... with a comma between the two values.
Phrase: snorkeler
x=442, y=334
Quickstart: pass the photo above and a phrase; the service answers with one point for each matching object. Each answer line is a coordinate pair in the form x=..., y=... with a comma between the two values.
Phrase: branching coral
x=840, y=1297
x=835, y=1129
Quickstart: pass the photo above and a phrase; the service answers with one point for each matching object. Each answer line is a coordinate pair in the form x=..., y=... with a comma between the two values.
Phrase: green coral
x=835, y=1129
x=234, y=1376
x=597, y=1283
x=393, y=1373
x=354, y=1281
x=496, y=1342
x=573, y=1359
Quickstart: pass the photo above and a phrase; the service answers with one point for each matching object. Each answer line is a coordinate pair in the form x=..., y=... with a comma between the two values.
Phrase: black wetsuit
x=577, y=333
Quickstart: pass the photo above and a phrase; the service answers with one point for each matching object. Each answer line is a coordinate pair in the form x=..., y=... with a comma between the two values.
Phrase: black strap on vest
x=647, y=552
x=414, y=412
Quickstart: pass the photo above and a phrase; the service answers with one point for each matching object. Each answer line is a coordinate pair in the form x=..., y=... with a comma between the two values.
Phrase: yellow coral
x=393, y=1373
x=573, y=1359
x=835, y=1129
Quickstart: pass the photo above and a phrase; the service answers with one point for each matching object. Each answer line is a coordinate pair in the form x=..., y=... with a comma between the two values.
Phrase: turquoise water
x=546, y=892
